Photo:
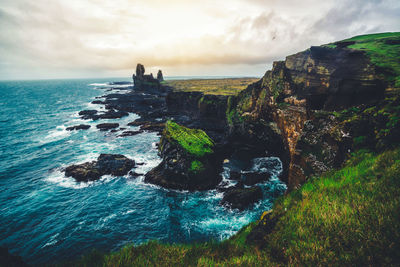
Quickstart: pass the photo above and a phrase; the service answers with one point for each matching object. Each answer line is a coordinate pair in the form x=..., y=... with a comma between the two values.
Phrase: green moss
x=196, y=166
x=195, y=141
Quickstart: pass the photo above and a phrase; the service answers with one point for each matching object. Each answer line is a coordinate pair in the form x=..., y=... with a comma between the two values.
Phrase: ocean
x=47, y=217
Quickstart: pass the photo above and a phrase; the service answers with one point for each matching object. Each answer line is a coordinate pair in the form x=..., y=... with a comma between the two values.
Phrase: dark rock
x=235, y=175
x=241, y=198
x=252, y=178
x=111, y=114
x=140, y=70
x=84, y=172
x=130, y=133
x=98, y=102
x=154, y=127
x=136, y=123
x=113, y=164
x=135, y=174
x=78, y=127
x=7, y=259
x=87, y=114
x=106, y=126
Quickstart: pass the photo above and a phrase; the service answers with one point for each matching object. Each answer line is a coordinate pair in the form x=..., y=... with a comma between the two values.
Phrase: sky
x=47, y=39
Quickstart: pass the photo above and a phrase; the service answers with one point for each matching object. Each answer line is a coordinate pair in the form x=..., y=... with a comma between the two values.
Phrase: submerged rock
x=78, y=127
x=110, y=114
x=241, y=198
x=189, y=161
x=113, y=164
x=130, y=133
x=106, y=126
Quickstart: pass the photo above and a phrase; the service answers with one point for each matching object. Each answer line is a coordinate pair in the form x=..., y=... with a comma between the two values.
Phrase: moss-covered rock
x=189, y=160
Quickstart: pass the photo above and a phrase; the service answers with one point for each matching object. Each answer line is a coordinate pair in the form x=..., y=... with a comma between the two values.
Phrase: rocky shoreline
x=161, y=110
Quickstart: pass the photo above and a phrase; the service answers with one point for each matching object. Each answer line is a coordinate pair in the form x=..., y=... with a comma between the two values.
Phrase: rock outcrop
x=188, y=160
x=143, y=82
x=112, y=164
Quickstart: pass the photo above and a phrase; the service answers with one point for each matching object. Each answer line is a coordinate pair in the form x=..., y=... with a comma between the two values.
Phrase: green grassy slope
x=347, y=217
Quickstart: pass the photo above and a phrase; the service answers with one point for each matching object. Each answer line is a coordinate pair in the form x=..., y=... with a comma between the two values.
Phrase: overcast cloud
x=100, y=38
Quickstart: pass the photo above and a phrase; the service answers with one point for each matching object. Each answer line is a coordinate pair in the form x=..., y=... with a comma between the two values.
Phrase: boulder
x=78, y=127
x=113, y=164
x=241, y=198
x=106, y=126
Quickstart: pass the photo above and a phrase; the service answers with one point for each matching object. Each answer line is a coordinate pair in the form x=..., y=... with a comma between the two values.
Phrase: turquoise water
x=47, y=217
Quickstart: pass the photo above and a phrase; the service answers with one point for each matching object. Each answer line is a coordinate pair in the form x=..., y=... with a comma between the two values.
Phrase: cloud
x=40, y=39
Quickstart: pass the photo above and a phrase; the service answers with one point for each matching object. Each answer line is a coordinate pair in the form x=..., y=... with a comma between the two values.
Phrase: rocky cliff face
x=196, y=110
x=288, y=112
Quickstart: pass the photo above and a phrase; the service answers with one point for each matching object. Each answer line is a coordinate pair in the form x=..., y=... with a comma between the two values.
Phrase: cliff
x=297, y=104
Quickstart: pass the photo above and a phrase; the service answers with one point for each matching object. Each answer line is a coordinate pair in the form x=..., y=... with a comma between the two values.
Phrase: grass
x=194, y=141
x=231, y=86
x=347, y=217
x=344, y=218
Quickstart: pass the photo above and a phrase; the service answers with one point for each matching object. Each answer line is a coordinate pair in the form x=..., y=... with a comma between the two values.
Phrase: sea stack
x=160, y=77
x=146, y=82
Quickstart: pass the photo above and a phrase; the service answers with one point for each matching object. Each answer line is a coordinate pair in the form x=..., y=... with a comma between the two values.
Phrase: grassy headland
x=229, y=86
